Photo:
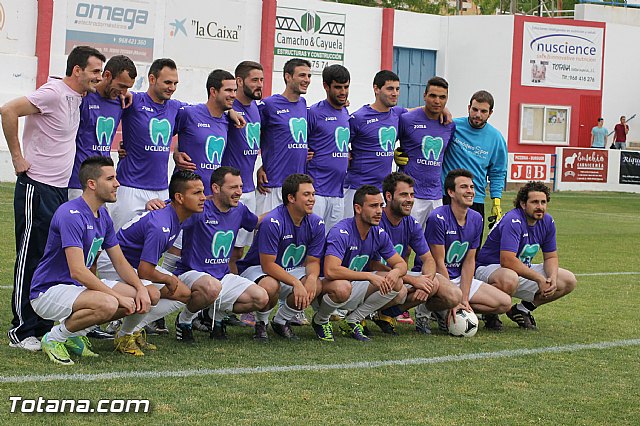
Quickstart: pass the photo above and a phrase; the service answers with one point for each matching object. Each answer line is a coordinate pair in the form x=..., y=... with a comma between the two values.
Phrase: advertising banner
x=630, y=167
x=526, y=167
x=584, y=165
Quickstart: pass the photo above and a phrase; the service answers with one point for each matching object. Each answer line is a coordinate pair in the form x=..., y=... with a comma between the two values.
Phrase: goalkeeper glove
x=496, y=213
x=400, y=157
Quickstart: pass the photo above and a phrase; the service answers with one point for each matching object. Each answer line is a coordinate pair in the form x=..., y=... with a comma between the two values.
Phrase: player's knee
x=454, y=296
x=398, y=285
x=503, y=303
x=260, y=298
x=209, y=288
x=342, y=292
x=401, y=297
x=271, y=286
x=507, y=281
x=569, y=282
x=106, y=309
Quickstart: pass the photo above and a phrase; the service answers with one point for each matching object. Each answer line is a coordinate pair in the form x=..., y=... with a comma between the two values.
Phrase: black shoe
x=202, y=321
x=219, y=331
x=260, y=334
x=284, y=330
x=233, y=321
x=97, y=333
x=492, y=322
x=523, y=319
x=184, y=332
x=156, y=327
x=386, y=324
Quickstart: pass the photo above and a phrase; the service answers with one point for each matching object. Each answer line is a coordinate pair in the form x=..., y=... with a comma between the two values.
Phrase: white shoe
x=30, y=344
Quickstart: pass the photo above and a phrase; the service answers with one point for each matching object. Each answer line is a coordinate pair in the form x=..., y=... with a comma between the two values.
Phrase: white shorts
x=56, y=303
x=74, y=193
x=526, y=290
x=348, y=202
x=269, y=201
x=106, y=271
x=245, y=238
x=422, y=208
x=330, y=209
x=358, y=295
x=130, y=202
x=254, y=273
x=475, y=285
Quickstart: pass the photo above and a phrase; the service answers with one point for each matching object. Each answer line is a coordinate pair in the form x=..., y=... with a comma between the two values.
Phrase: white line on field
x=314, y=367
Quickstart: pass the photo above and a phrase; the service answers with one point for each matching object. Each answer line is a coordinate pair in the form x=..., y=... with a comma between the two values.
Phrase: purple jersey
x=408, y=234
x=373, y=139
x=278, y=236
x=513, y=234
x=73, y=225
x=344, y=242
x=208, y=238
x=244, y=144
x=147, y=128
x=424, y=141
x=99, y=119
x=329, y=140
x=202, y=137
x=148, y=235
x=443, y=230
x=284, y=137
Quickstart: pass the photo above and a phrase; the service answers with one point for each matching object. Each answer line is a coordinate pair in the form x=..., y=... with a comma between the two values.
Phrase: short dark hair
x=291, y=64
x=215, y=79
x=119, y=63
x=179, y=180
x=383, y=76
x=291, y=185
x=482, y=96
x=362, y=192
x=532, y=186
x=438, y=82
x=245, y=67
x=336, y=73
x=220, y=173
x=80, y=56
x=91, y=168
x=159, y=64
x=450, y=179
x=391, y=181
x=600, y=119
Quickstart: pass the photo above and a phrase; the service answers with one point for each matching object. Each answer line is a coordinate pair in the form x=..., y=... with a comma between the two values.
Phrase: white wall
x=417, y=30
x=609, y=14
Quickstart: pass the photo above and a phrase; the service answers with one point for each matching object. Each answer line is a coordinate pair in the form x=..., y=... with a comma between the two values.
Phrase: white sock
x=327, y=307
x=263, y=316
x=59, y=333
x=162, y=309
x=130, y=322
x=370, y=305
x=186, y=316
x=422, y=311
x=284, y=314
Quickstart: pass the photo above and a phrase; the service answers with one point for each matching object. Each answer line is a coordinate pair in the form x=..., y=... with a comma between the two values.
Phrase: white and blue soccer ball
x=465, y=325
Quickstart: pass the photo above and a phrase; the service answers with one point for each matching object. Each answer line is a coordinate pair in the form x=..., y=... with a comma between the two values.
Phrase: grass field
x=581, y=368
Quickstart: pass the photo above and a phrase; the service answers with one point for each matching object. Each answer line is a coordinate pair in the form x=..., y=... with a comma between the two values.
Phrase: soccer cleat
x=97, y=333
x=260, y=333
x=441, y=317
x=284, y=330
x=523, y=319
x=141, y=340
x=249, y=319
x=338, y=315
x=184, y=332
x=492, y=322
x=299, y=319
x=386, y=323
x=353, y=329
x=423, y=325
x=233, y=321
x=323, y=331
x=405, y=318
x=30, y=343
x=157, y=327
x=363, y=323
x=79, y=345
x=202, y=322
x=219, y=331
x=56, y=351
x=127, y=345
x=113, y=327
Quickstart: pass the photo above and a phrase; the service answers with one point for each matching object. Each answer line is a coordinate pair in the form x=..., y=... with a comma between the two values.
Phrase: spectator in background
x=599, y=135
x=620, y=134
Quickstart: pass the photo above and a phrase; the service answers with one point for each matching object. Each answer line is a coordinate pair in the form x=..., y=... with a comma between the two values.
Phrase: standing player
x=505, y=260
x=329, y=141
x=374, y=130
x=64, y=288
x=100, y=114
x=349, y=283
x=284, y=134
x=52, y=118
x=285, y=256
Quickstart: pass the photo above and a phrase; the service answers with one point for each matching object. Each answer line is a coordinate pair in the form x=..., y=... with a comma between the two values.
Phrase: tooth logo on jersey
x=342, y=138
x=387, y=137
x=104, y=129
x=214, y=149
x=528, y=252
x=457, y=251
x=222, y=242
x=298, y=128
x=253, y=135
x=293, y=255
x=432, y=147
x=398, y=248
x=96, y=245
x=160, y=129
x=359, y=262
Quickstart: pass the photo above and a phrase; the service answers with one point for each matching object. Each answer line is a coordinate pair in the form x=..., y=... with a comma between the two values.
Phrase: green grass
x=596, y=233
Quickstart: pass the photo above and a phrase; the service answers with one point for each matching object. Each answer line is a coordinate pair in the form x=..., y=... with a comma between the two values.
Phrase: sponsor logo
x=104, y=130
x=96, y=245
x=387, y=137
x=178, y=27
x=74, y=211
x=432, y=147
x=528, y=252
x=222, y=242
x=275, y=221
x=213, y=30
x=359, y=262
x=342, y=135
x=342, y=231
x=565, y=44
x=110, y=14
x=293, y=255
x=166, y=230
x=253, y=135
x=298, y=128
x=214, y=149
x=160, y=129
x=457, y=251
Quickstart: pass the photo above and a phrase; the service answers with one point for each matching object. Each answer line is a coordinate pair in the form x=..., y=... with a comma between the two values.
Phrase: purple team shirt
x=278, y=236
x=373, y=139
x=513, y=234
x=147, y=128
x=148, y=235
x=208, y=238
x=284, y=137
x=202, y=137
x=73, y=225
x=344, y=242
x=329, y=136
x=243, y=145
x=443, y=230
x=424, y=141
x=407, y=235
x=99, y=119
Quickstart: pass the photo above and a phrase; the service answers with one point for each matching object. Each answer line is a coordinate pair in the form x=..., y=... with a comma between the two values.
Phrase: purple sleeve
x=44, y=98
x=249, y=220
x=549, y=243
x=155, y=243
x=317, y=240
x=71, y=230
x=418, y=242
x=268, y=238
x=336, y=243
x=385, y=246
x=510, y=238
x=434, y=232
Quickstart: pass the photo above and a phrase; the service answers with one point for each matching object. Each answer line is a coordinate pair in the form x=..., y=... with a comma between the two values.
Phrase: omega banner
x=563, y=56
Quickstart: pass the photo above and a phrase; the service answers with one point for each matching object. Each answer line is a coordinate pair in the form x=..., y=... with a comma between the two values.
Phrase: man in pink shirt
x=52, y=118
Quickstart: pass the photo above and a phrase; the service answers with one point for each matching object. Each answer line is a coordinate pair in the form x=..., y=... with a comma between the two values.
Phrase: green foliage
x=438, y=7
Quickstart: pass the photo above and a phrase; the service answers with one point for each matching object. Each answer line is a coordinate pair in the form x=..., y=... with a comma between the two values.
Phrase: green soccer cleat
x=56, y=351
x=79, y=345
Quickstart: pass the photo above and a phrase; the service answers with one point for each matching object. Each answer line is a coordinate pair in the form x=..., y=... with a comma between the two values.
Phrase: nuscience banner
x=562, y=56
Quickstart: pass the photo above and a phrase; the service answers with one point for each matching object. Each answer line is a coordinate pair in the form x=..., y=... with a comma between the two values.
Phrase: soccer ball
x=466, y=324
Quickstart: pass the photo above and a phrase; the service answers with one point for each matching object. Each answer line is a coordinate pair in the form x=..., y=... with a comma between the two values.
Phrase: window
x=544, y=124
